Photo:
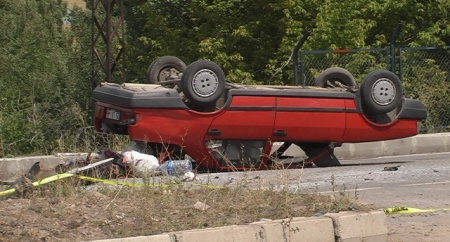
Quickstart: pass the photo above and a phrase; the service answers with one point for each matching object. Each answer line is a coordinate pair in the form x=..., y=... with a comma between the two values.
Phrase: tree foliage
x=45, y=69
x=41, y=68
x=252, y=39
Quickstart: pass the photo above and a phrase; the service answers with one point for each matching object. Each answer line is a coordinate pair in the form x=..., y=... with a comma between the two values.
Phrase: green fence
x=425, y=74
x=358, y=61
x=424, y=71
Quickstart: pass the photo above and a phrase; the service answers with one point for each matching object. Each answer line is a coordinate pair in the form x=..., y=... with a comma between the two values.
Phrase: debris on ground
x=24, y=187
x=201, y=206
x=190, y=176
x=99, y=167
x=176, y=167
x=128, y=164
x=142, y=164
x=391, y=168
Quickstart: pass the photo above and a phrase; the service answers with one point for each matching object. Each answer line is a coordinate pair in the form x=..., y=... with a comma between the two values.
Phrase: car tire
x=203, y=82
x=164, y=68
x=334, y=75
x=381, y=92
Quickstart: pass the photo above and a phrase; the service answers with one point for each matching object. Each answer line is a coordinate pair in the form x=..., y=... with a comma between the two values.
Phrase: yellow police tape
x=104, y=181
x=41, y=182
x=406, y=210
x=391, y=210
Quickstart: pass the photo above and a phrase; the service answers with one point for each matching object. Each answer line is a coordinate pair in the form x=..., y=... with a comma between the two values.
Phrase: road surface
x=420, y=181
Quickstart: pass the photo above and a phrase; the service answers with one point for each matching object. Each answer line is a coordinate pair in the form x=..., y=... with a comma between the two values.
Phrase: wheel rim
x=205, y=83
x=383, y=91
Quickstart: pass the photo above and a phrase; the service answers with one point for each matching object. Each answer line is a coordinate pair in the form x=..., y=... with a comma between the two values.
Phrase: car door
x=239, y=135
x=247, y=117
x=309, y=119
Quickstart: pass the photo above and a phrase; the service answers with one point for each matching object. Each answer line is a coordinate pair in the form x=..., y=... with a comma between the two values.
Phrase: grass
x=71, y=210
x=68, y=210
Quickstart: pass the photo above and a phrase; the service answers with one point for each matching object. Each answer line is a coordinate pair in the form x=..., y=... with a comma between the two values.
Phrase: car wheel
x=334, y=77
x=163, y=69
x=203, y=82
x=381, y=91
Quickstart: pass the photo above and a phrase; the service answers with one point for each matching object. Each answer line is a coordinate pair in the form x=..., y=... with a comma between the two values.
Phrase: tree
x=41, y=77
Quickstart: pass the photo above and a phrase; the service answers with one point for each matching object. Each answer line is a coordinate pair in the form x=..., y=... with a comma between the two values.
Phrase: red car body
x=262, y=115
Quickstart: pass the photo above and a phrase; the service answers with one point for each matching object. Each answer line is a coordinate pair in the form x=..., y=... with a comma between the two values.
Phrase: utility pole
x=108, y=41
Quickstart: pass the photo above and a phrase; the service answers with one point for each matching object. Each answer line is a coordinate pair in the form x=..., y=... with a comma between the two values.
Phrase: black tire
x=381, y=92
x=163, y=68
x=335, y=75
x=211, y=78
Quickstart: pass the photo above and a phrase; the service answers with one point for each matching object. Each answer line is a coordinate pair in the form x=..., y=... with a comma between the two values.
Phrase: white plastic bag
x=142, y=163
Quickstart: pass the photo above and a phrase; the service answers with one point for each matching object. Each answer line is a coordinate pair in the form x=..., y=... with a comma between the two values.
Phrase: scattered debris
x=318, y=214
x=120, y=216
x=201, y=206
x=24, y=188
x=90, y=166
x=70, y=154
x=128, y=164
x=142, y=164
x=190, y=176
x=99, y=167
x=391, y=168
x=176, y=167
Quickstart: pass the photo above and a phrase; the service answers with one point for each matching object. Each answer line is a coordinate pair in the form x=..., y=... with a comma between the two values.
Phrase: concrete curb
x=419, y=144
x=11, y=167
x=333, y=227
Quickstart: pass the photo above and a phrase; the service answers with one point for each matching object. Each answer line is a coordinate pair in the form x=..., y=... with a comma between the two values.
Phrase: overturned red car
x=193, y=110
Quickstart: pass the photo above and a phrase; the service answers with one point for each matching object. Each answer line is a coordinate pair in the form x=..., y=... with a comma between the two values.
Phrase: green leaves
x=45, y=70
x=43, y=75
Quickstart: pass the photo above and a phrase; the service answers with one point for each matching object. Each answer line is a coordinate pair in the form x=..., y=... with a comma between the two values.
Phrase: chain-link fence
x=358, y=61
x=425, y=74
x=424, y=71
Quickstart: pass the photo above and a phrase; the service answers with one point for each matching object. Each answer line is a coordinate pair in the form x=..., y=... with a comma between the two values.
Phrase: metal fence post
x=400, y=64
x=295, y=55
x=302, y=67
x=393, y=39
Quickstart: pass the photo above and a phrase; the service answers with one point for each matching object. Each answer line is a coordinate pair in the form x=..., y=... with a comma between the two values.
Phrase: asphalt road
x=420, y=181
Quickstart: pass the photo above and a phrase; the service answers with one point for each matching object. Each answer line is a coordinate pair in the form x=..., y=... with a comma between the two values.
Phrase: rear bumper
x=412, y=109
x=127, y=97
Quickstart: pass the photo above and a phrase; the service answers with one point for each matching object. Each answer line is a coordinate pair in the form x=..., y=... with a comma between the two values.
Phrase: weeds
x=71, y=211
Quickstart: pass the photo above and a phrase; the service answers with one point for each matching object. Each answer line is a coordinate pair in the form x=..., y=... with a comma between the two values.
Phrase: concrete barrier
x=153, y=238
x=339, y=227
x=352, y=227
x=221, y=234
x=297, y=229
x=12, y=167
x=419, y=144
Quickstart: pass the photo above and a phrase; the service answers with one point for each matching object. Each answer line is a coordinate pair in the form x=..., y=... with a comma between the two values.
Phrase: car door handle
x=280, y=133
x=214, y=132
